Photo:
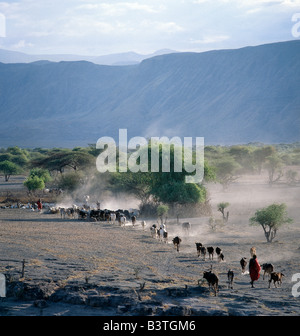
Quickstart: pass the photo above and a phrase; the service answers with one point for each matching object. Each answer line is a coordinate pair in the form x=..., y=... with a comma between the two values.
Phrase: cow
x=203, y=251
x=276, y=277
x=163, y=235
x=153, y=231
x=143, y=223
x=221, y=257
x=113, y=217
x=212, y=279
x=71, y=212
x=62, y=213
x=230, y=276
x=176, y=242
x=210, y=251
x=82, y=214
x=243, y=263
x=133, y=220
x=122, y=220
x=267, y=268
x=95, y=214
x=198, y=247
x=186, y=226
x=218, y=251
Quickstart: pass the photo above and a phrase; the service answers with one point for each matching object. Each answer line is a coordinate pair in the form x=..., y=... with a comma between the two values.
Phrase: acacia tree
x=34, y=183
x=227, y=171
x=221, y=207
x=58, y=161
x=271, y=219
x=260, y=155
x=167, y=187
x=162, y=210
x=9, y=168
x=274, y=165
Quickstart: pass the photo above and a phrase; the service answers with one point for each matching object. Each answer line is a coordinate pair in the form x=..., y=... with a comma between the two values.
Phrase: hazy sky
x=90, y=27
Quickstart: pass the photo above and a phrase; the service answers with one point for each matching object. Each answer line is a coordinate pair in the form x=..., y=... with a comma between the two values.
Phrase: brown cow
x=267, y=268
x=212, y=279
x=176, y=242
x=198, y=247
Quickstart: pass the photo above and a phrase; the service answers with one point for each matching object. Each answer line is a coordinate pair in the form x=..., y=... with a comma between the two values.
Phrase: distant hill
x=129, y=58
x=228, y=96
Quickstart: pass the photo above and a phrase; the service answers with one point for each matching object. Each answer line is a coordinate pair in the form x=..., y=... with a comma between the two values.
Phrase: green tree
x=162, y=211
x=243, y=156
x=221, y=207
x=34, y=183
x=41, y=173
x=271, y=219
x=273, y=165
x=291, y=176
x=179, y=192
x=138, y=184
x=227, y=171
x=59, y=160
x=70, y=181
x=260, y=155
x=9, y=168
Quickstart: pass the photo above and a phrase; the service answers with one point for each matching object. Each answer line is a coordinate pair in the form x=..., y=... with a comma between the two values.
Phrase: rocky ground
x=76, y=267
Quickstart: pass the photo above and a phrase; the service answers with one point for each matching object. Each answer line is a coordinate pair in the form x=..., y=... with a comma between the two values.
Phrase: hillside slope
x=227, y=96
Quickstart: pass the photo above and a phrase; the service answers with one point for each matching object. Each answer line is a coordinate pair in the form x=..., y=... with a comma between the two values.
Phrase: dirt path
x=95, y=268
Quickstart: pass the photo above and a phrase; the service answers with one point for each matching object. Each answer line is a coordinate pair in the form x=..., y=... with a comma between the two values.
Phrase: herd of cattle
x=159, y=232
x=85, y=212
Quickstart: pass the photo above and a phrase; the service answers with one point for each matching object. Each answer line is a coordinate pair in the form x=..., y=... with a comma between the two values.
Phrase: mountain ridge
x=125, y=58
x=226, y=96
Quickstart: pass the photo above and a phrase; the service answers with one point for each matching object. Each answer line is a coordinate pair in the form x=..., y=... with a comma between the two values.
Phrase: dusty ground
x=93, y=268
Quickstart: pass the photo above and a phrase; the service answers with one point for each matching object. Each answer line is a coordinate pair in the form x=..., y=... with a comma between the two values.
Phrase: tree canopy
x=9, y=168
x=271, y=219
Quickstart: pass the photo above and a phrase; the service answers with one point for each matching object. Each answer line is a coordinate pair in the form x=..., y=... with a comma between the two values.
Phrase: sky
x=90, y=27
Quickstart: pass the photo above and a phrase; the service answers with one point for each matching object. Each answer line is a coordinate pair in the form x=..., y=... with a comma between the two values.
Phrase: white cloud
x=21, y=44
x=144, y=25
x=167, y=27
x=120, y=8
x=210, y=39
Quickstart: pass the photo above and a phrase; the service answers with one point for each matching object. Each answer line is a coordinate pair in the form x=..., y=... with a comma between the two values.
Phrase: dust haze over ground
x=77, y=267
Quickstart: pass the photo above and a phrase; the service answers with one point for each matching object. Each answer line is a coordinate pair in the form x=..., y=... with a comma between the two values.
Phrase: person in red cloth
x=39, y=205
x=254, y=270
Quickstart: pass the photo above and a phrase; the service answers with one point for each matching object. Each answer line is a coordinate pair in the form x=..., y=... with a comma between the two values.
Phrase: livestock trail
x=65, y=252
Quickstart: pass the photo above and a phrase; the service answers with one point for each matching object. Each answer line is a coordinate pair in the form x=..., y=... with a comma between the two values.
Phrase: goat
x=276, y=277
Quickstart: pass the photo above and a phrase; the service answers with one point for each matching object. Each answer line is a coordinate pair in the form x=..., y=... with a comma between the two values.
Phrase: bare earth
x=76, y=267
